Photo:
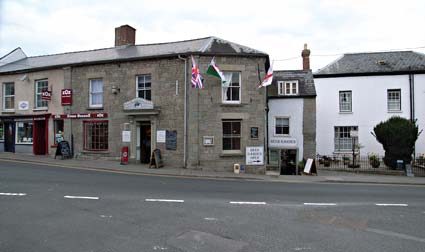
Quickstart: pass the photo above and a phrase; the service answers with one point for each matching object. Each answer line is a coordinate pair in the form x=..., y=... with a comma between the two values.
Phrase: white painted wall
x=420, y=111
x=292, y=108
x=369, y=107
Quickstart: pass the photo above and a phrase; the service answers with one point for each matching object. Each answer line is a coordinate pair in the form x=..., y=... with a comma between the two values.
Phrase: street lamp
x=354, y=134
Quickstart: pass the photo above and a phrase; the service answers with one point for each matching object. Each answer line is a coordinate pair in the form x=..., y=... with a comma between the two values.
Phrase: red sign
x=46, y=95
x=66, y=97
x=80, y=116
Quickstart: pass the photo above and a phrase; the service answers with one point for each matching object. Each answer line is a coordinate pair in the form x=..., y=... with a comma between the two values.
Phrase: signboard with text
x=283, y=142
x=255, y=155
x=66, y=97
x=80, y=116
x=46, y=95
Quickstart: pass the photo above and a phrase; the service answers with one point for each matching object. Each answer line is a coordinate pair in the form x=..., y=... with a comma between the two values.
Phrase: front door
x=39, y=144
x=288, y=162
x=9, y=136
x=145, y=143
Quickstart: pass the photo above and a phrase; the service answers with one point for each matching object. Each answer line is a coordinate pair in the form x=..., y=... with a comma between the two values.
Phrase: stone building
x=140, y=96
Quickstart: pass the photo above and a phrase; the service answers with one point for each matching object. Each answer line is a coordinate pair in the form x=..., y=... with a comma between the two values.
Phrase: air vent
x=381, y=62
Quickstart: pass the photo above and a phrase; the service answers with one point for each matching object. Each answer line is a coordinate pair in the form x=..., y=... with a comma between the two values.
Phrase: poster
x=255, y=155
x=160, y=136
x=126, y=136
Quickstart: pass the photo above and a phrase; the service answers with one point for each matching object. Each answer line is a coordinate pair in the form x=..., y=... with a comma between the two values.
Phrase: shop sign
x=255, y=155
x=46, y=95
x=80, y=116
x=283, y=142
x=23, y=105
x=66, y=97
x=138, y=103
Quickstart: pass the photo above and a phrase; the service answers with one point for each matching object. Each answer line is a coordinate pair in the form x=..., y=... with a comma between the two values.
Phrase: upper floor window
x=40, y=87
x=345, y=101
x=231, y=90
x=9, y=96
x=281, y=126
x=288, y=87
x=96, y=93
x=231, y=135
x=143, y=87
x=344, y=141
x=394, y=99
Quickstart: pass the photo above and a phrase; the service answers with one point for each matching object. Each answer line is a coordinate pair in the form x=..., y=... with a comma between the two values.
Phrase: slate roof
x=305, y=82
x=202, y=46
x=374, y=63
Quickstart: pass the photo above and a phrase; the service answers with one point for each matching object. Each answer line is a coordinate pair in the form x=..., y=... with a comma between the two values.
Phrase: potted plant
x=326, y=161
x=374, y=160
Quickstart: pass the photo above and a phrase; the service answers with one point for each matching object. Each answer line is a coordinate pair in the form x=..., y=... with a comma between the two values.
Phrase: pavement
x=323, y=176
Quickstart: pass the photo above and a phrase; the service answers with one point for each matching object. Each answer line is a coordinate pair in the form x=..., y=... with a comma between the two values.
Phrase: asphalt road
x=58, y=209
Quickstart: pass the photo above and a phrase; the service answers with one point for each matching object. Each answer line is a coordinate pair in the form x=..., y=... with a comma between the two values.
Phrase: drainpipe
x=185, y=111
x=412, y=104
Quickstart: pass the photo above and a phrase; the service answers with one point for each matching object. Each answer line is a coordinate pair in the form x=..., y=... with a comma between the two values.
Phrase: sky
x=279, y=28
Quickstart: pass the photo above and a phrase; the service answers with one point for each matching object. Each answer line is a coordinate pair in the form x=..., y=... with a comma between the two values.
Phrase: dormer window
x=288, y=87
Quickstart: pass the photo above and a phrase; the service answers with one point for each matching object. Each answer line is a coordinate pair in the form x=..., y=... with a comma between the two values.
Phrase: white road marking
x=105, y=216
x=247, y=203
x=210, y=219
x=13, y=194
x=319, y=204
x=80, y=197
x=394, y=234
x=384, y=204
x=165, y=200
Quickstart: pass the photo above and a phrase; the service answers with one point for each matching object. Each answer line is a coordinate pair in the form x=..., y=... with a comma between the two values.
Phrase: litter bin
x=236, y=168
x=124, y=155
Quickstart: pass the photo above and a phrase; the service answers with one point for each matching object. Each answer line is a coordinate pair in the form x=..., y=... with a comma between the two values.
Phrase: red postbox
x=124, y=155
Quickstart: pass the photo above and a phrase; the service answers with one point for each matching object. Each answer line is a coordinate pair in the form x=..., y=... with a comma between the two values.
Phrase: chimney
x=125, y=35
x=306, y=58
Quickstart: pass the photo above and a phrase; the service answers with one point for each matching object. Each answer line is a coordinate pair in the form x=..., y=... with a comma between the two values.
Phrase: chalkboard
x=156, y=159
x=171, y=140
x=63, y=150
x=310, y=167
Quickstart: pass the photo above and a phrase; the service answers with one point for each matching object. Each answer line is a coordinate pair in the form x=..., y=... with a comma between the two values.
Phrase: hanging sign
x=66, y=97
x=46, y=95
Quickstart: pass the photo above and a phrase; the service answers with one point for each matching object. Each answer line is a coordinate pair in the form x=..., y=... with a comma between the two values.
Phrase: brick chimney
x=306, y=58
x=125, y=35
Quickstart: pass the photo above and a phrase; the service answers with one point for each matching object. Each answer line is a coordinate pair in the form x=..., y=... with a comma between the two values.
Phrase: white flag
x=268, y=78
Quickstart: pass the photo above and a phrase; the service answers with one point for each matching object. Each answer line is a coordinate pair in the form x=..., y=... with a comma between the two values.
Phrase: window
x=40, y=86
x=394, y=99
x=1, y=131
x=344, y=101
x=254, y=132
x=96, y=93
x=24, y=132
x=343, y=139
x=288, y=87
x=58, y=128
x=8, y=96
x=143, y=87
x=231, y=90
x=281, y=126
x=231, y=135
x=96, y=135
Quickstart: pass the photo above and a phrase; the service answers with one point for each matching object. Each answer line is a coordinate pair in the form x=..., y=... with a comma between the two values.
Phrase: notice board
x=171, y=140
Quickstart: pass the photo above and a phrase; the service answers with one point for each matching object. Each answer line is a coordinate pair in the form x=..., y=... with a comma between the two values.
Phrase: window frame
x=393, y=91
x=231, y=136
x=4, y=96
x=347, y=142
x=144, y=89
x=30, y=122
x=38, y=95
x=282, y=87
x=85, y=142
x=231, y=87
x=350, y=103
x=91, y=105
x=275, y=126
x=55, y=129
x=1, y=131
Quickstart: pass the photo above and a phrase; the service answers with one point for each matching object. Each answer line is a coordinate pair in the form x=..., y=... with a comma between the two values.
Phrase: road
x=59, y=209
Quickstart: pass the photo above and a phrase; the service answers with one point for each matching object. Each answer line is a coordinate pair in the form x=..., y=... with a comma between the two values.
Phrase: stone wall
x=309, y=127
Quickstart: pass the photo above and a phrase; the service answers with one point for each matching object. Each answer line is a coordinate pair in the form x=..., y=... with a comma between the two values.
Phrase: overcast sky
x=279, y=28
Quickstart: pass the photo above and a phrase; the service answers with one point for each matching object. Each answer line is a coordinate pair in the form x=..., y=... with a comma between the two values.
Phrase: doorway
x=288, y=162
x=145, y=143
x=39, y=138
x=9, y=136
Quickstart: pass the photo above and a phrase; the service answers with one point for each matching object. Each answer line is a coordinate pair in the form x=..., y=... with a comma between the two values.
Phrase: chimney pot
x=306, y=58
x=125, y=35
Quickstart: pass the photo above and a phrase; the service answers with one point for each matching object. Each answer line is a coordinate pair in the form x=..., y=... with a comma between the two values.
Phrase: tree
x=397, y=136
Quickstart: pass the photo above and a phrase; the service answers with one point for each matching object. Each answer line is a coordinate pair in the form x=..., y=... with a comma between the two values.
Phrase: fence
x=366, y=164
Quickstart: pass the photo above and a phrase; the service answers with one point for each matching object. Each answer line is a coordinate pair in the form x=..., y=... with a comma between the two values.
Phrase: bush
x=397, y=136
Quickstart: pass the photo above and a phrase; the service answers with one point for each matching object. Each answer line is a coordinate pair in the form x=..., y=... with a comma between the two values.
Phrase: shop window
x=1, y=131
x=58, y=128
x=24, y=132
x=96, y=135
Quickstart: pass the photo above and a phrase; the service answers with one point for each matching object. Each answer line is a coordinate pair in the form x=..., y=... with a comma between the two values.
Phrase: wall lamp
x=115, y=89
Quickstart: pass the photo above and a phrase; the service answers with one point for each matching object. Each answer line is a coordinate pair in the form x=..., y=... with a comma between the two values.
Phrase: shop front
x=284, y=152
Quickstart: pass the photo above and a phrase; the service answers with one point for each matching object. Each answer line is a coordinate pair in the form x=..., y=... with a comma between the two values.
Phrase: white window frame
x=289, y=125
x=394, y=101
x=6, y=96
x=38, y=95
x=144, y=84
x=224, y=89
x=282, y=87
x=91, y=105
x=30, y=139
x=345, y=103
x=345, y=141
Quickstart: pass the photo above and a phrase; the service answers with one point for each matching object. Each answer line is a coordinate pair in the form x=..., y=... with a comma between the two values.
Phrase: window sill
x=232, y=154
x=95, y=108
x=281, y=135
x=23, y=143
x=394, y=111
x=40, y=109
x=232, y=104
x=346, y=112
x=96, y=152
x=8, y=111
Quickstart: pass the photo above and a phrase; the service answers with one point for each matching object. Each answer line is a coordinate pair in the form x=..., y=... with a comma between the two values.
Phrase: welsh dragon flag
x=215, y=71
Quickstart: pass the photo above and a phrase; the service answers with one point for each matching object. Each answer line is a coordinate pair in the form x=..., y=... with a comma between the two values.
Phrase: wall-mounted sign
x=126, y=136
x=80, y=116
x=66, y=97
x=283, y=142
x=160, y=136
x=208, y=140
x=171, y=140
x=254, y=155
x=254, y=132
x=23, y=105
x=138, y=103
x=46, y=95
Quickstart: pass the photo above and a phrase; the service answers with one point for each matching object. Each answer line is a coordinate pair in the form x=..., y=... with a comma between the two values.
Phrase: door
x=145, y=143
x=9, y=136
x=288, y=162
x=39, y=134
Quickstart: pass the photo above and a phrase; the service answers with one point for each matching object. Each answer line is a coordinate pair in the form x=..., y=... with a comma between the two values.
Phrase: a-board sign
x=63, y=150
x=156, y=159
x=310, y=167
x=171, y=140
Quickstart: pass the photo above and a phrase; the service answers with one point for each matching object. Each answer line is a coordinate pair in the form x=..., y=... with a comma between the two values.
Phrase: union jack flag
x=196, y=76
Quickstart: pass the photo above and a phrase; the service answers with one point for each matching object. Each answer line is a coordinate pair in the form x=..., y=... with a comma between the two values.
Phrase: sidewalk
x=139, y=169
